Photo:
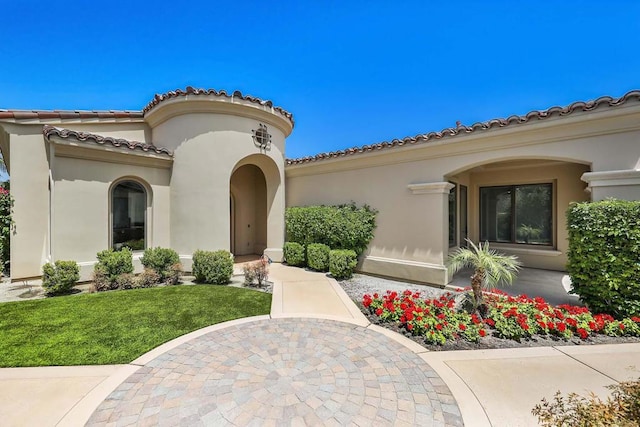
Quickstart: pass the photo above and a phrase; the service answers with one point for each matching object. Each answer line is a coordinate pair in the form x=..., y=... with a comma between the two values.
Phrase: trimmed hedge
x=293, y=253
x=215, y=267
x=604, y=255
x=59, y=278
x=163, y=261
x=339, y=227
x=318, y=256
x=114, y=263
x=342, y=262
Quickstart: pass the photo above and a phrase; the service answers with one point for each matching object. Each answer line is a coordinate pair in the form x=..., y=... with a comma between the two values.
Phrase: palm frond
x=496, y=268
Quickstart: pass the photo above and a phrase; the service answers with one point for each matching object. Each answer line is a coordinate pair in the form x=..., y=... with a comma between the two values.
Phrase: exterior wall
x=412, y=219
x=29, y=159
x=207, y=148
x=81, y=203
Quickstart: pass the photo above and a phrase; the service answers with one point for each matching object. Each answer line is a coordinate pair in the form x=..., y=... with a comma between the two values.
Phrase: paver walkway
x=283, y=372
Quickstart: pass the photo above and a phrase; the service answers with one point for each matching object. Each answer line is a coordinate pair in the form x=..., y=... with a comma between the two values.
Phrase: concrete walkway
x=314, y=360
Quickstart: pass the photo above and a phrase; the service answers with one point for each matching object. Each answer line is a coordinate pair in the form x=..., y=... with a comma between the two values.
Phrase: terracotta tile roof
x=604, y=101
x=157, y=99
x=68, y=114
x=49, y=131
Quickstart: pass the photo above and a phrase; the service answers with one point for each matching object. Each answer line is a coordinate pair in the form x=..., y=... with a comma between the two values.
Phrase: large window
x=517, y=214
x=129, y=211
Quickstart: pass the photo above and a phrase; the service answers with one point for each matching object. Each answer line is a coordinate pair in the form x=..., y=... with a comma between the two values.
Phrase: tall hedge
x=339, y=227
x=604, y=255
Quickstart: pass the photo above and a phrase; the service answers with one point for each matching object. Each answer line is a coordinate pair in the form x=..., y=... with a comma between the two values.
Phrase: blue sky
x=351, y=72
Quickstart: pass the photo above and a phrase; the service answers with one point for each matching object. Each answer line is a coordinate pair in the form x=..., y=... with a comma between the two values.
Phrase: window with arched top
x=129, y=215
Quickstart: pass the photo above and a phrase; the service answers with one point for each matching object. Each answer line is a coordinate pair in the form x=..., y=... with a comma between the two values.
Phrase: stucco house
x=206, y=169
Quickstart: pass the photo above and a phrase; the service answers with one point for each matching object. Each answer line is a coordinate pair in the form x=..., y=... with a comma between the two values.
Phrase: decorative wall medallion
x=261, y=137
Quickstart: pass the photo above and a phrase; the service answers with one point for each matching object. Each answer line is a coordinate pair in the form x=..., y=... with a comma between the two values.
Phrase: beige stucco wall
x=62, y=188
x=30, y=190
x=409, y=240
x=82, y=208
x=208, y=147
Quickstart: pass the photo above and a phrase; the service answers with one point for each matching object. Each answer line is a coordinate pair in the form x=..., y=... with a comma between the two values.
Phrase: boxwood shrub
x=339, y=227
x=215, y=267
x=604, y=255
x=112, y=264
x=293, y=253
x=59, y=278
x=318, y=256
x=342, y=262
x=163, y=261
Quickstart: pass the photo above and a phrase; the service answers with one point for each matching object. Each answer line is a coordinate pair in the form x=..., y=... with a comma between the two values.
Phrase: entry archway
x=248, y=211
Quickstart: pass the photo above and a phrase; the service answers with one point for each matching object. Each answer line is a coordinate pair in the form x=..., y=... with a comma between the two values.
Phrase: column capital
x=431, y=187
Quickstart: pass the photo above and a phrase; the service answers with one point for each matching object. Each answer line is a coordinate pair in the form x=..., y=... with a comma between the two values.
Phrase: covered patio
x=553, y=286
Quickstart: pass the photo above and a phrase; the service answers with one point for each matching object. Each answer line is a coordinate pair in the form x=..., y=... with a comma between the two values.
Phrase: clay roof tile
x=49, y=131
x=604, y=101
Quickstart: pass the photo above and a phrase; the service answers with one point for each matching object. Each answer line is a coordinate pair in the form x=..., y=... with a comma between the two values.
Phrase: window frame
x=147, y=210
x=513, y=241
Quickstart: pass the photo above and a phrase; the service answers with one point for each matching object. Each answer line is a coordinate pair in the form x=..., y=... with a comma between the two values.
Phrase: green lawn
x=117, y=326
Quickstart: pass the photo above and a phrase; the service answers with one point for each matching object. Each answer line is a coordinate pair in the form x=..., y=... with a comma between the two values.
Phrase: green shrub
x=6, y=225
x=114, y=263
x=339, y=227
x=214, y=267
x=160, y=260
x=59, y=278
x=293, y=253
x=318, y=256
x=622, y=409
x=604, y=249
x=173, y=275
x=342, y=262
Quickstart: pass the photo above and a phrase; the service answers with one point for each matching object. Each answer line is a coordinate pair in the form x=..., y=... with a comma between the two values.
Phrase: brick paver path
x=283, y=372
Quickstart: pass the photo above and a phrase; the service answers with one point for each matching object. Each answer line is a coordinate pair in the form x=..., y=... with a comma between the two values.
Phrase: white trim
x=612, y=178
x=430, y=188
x=407, y=262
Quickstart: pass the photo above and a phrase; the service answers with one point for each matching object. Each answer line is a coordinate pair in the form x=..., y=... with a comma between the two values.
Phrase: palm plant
x=490, y=269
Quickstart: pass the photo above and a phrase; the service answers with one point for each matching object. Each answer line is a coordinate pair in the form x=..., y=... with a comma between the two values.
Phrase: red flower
x=379, y=312
x=490, y=322
x=561, y=326
x=583, y=333
x=482, y=332
x=410, y=326
x=621, y=326
x=439, y=326
x=462, y=326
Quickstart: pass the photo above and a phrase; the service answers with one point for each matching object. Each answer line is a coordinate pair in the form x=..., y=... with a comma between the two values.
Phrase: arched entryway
x=248, y=211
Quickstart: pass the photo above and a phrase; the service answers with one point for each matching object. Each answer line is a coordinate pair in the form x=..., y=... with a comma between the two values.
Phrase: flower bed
x=439, y=320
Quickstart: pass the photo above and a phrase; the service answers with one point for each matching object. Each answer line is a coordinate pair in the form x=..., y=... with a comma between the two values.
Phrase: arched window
x=129, y=213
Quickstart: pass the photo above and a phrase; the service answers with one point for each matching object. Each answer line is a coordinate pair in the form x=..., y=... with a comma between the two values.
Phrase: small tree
x=490, y=269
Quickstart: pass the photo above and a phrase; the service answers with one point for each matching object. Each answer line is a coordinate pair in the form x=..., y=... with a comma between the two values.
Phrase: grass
x=115, y=327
